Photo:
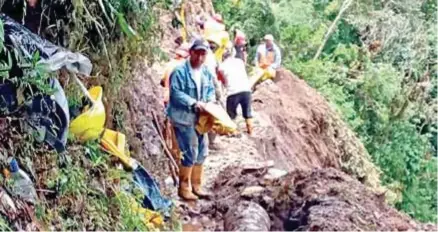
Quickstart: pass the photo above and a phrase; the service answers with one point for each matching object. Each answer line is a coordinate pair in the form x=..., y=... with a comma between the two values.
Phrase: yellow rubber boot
x=198, y=171
x=185, y=189
x=249, y=125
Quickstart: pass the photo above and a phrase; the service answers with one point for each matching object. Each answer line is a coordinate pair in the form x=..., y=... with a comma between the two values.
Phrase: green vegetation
x=378, y=69
x=81, y=189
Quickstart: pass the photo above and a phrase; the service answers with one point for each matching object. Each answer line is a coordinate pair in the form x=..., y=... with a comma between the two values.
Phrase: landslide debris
x=318, y=199
x=299, y=130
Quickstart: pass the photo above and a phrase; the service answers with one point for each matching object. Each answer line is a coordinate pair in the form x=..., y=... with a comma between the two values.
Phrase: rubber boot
x=249, y=125
x=198, y=171
x=185, y=189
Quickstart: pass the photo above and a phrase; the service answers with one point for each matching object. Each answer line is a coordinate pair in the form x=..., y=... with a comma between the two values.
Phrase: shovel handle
x=83, y=89
x=163, y=143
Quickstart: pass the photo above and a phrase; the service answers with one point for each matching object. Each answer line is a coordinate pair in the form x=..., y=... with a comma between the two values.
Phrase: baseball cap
x=269, y=37
x=199, y=44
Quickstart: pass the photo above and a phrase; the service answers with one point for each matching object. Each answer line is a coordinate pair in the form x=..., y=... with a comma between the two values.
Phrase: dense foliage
x=82, y=188
x=378, y=69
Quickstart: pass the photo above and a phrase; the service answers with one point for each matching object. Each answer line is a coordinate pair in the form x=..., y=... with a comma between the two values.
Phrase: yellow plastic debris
x=150, y=217
x=212, y=27
x=89, y=125
x=221, y=38
x=183, y=21
x=260, y=75
x=215, y=118
x=114, y=143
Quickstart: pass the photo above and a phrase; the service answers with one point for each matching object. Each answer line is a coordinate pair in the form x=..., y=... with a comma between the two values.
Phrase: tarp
x=259, y=75
x=215, y=118
x=153, y=198
x=48, y=115
x=54, y=57
x=50, y=120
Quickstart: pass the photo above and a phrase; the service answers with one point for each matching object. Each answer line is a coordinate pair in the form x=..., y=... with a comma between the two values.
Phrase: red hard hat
x=218, y=18
x=240, y=38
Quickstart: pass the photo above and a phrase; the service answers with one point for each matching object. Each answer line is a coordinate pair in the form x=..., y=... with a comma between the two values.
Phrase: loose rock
x=252, y=191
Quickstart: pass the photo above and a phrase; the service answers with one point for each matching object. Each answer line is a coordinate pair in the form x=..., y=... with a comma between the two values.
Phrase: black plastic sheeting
x=54, y=57
x=47, y=115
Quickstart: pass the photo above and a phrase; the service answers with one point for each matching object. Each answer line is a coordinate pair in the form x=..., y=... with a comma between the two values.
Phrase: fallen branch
x=163, y=143
x=174, y=175
x=332, y=27
x=83, y=89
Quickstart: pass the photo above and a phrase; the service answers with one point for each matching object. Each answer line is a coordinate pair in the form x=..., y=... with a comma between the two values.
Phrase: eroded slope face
x=301, y=131
x=319, y=199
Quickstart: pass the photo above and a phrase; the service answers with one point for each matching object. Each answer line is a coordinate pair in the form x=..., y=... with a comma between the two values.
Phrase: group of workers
x=196, y=76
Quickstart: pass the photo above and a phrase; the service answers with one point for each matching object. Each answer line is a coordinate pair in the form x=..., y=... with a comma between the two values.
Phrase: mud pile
x=318, y=199
x=301, y=131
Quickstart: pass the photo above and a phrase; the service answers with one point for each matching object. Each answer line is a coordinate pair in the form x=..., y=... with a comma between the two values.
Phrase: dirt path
x=235, y=152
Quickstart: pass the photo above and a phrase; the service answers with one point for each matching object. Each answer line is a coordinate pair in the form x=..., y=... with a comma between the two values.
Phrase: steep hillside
x=297, y=133
x=303, y=169
x=303, y=131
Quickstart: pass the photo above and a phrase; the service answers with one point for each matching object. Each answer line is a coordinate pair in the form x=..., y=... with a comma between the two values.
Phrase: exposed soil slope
x=319, y=199
x=303, y=132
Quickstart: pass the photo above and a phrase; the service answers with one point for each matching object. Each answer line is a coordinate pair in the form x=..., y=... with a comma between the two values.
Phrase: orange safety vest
x=265, y=60
x=166, y=76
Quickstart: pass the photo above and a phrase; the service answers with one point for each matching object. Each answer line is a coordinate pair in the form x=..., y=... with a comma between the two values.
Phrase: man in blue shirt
x=191, y=87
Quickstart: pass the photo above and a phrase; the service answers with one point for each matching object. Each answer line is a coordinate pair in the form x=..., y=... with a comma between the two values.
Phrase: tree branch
x=332, y=27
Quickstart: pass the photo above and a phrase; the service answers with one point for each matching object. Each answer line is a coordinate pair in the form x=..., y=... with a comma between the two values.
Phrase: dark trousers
x=244, y=100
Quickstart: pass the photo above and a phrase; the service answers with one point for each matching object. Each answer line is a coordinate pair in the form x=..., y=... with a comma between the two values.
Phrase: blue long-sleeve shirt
x=264, y=50
x=184, y=94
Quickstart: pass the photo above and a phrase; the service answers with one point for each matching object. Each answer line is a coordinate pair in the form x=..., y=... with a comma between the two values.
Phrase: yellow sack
x=215, y=118
x=205, y=123
x=89, y=125
x=221, y=38
x=212, y=27
x=114, y=143
x=259, y=75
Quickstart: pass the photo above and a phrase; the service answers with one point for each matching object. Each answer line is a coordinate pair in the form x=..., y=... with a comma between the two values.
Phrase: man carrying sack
x=191, y=87
x=267, y=61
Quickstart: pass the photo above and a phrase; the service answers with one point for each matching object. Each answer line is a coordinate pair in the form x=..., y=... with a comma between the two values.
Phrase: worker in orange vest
x=181, y=53
x=268, y=54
